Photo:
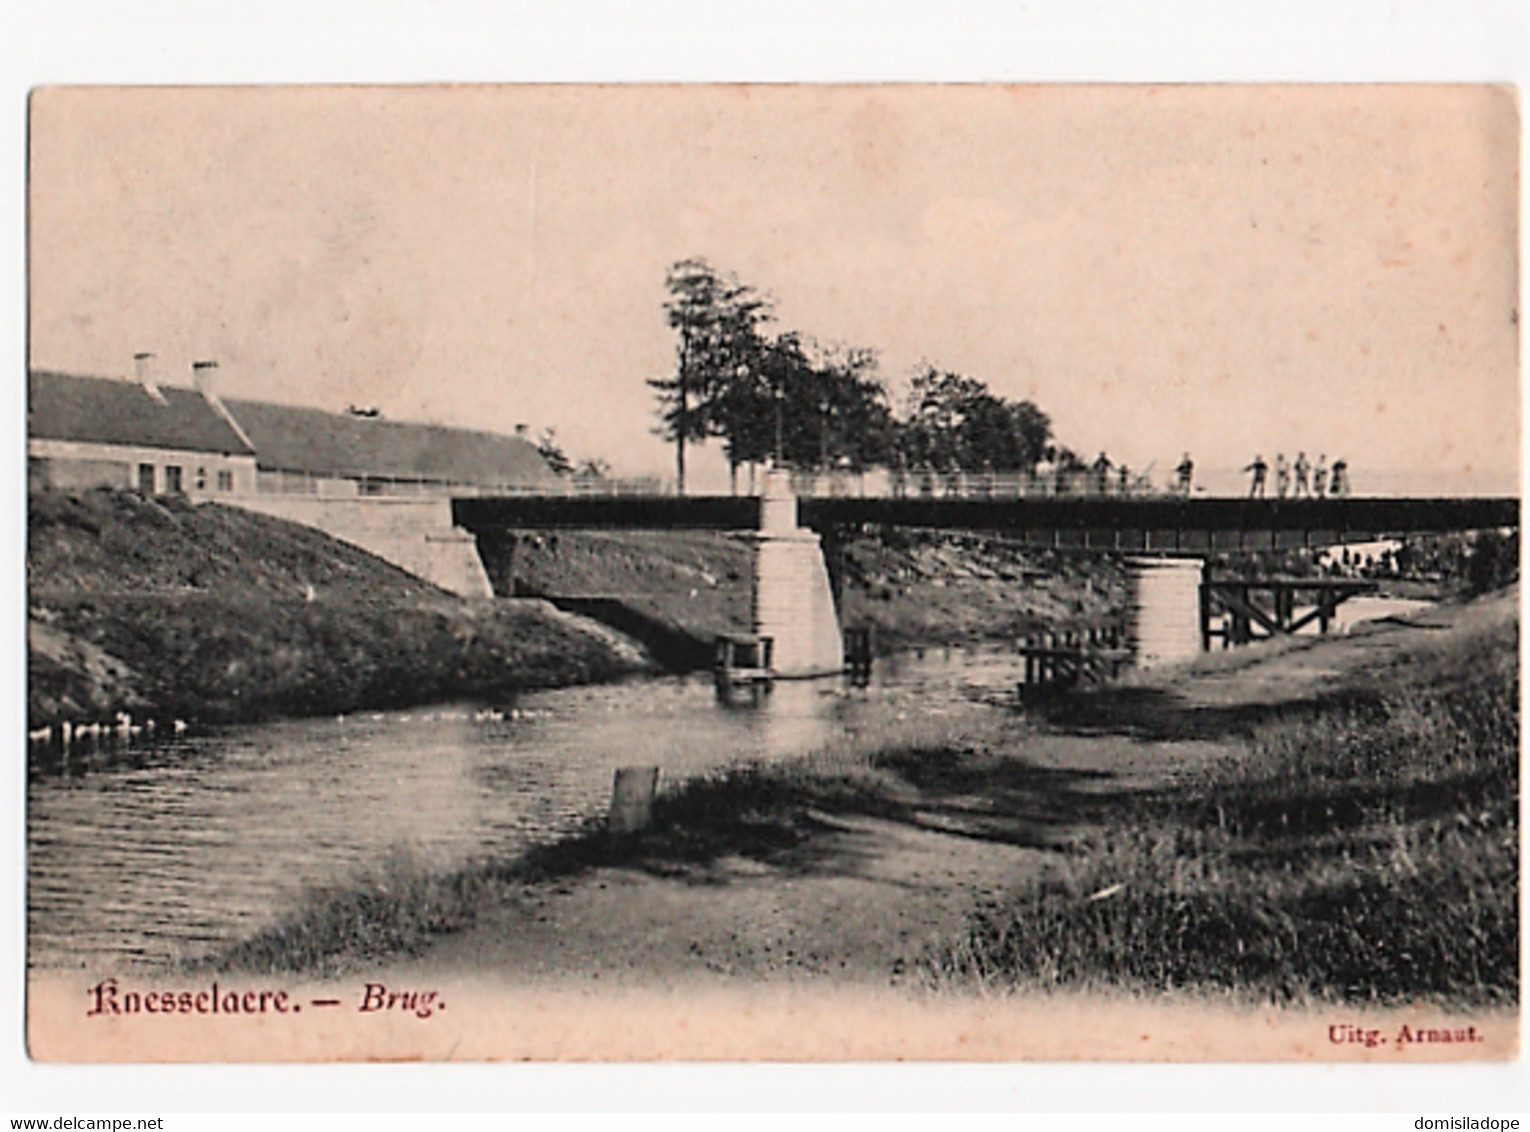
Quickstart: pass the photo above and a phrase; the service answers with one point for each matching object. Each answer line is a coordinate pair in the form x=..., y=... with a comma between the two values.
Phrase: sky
x=1220, y=269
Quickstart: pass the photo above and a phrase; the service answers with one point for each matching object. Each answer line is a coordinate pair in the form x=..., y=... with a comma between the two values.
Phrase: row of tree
x=784, y=398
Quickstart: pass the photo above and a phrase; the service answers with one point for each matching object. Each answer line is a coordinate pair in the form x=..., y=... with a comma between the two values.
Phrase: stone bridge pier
x=1163, y=614
x=793, y=601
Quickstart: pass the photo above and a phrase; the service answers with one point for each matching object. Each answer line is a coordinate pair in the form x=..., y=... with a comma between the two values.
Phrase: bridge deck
x=1157, y=524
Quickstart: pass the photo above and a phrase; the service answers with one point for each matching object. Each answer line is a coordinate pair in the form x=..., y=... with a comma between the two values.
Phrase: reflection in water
x=165, y=850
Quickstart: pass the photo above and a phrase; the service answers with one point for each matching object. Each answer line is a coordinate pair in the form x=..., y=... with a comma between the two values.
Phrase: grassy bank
x=1367, y=852
x=679, y=589
x=159, y=607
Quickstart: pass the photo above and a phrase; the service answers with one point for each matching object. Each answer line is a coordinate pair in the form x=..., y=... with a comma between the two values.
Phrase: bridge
x=1150, y=524
x=798, y=543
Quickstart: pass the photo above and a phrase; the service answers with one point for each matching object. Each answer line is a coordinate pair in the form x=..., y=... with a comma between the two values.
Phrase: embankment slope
x=679, y=589
x=161, y=607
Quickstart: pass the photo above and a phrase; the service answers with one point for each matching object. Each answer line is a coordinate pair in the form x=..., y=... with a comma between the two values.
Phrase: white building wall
x=75, y=463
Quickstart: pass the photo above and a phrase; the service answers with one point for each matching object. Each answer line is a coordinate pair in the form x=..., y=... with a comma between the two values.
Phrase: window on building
x=201, y=479
x=173, y=479
x=146, y=478
x=225, y=480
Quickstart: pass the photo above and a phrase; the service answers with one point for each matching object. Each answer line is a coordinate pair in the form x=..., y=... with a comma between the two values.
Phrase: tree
x=745, y=412
x=552, y=452
x=955, y=423
x=717, y=321
x=1033, y=432
x=843, y=413
x=807, y=406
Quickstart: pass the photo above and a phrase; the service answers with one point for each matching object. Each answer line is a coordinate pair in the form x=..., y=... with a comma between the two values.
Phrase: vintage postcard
x=794, y=572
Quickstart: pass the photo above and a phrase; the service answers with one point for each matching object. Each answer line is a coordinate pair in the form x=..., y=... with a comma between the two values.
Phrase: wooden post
x=632, y=798
x=834, y=562
x=1283, y=602
x=1205, y=592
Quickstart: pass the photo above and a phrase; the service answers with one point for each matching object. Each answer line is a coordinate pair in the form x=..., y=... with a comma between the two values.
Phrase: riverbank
x=1327, y=820
x=677, y=590
x=164, y=609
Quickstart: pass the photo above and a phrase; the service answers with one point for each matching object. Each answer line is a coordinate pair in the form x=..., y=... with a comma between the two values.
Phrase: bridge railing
x=874, y=484
x=579, y=487
x=968, y=485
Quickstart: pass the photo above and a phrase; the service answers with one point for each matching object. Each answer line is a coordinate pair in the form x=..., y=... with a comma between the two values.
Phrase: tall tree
x=939, y=405
x=956, y=423
x=1033, y=431
x=716, y=319
x=846, y=418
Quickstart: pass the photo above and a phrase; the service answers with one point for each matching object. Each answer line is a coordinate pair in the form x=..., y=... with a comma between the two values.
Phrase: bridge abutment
x=416, y=535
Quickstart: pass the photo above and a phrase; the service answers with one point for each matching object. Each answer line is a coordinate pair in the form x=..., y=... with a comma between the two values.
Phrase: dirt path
x=858, y=897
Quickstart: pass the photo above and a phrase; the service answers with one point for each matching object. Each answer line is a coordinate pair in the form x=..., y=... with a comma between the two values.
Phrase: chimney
x=204, y=378
x=143, y=373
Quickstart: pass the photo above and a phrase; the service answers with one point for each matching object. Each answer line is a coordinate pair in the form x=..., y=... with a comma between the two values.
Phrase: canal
x=164, y=851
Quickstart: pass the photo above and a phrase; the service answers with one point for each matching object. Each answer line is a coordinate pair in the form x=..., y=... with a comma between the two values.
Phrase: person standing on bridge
x=1185, y=471
x=1282, y=475
x=1338, y=482
x=1258, y=469
x=1101, y=468
x=1320, y=476
x=1301, y=468
x=1041, y=476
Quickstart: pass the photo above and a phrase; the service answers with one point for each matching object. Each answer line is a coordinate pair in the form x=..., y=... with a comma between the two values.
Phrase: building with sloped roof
x=95, y=431
x=301, y=450
x=385, y=486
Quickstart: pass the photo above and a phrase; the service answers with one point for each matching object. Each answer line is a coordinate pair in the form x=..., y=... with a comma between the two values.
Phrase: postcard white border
x=329, y=41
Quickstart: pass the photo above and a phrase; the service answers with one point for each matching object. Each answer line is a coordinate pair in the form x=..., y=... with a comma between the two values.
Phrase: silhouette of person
x=1320, y=477
x=1258, y=468
x=1101, y=468
x=1338, y=480
x=1300, y=469
x=1185, y=471
x=1282, y=475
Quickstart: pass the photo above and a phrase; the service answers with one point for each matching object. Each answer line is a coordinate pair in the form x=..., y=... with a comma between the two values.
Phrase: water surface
x=165, y=851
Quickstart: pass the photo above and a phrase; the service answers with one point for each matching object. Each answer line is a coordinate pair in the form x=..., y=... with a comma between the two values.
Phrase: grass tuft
x=1366, y=853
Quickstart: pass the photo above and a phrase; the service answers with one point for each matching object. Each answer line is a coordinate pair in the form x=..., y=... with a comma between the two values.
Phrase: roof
x=290, y=438
x=105, y=410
